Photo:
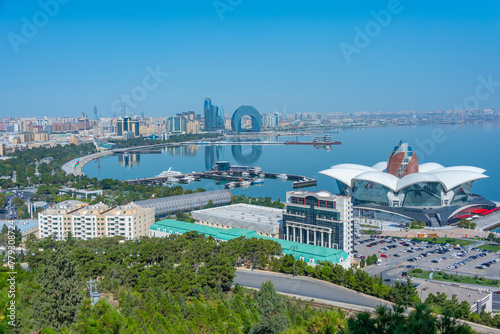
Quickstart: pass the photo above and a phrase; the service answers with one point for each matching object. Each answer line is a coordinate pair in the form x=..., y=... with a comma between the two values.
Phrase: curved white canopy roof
x=344, y=175
x=353, y=166
x=387, y=180
x=428, y=166
x=452, y=178
x=463, y=168
x=380, y=166
x=448, y=177
x=414, y=178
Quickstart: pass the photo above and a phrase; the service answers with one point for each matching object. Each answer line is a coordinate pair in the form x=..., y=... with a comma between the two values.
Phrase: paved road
x=303, y=286
x=10, y=211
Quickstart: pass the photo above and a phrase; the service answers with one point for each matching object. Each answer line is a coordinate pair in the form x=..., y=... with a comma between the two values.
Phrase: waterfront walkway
x=70, y=168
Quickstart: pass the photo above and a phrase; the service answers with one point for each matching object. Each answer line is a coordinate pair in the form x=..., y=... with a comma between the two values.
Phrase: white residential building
x=94, y=221
x=56, y=220
x=131, y=221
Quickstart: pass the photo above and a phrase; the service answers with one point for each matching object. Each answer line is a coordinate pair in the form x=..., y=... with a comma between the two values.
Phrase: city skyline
x=280, y=57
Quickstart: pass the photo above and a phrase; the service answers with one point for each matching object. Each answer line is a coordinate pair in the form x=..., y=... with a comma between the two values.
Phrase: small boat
x=258, y=181
x=230, y=185
x=245, y=184
x=282, y=177
x=245, y=174
x=172, y=179
x=262, y=175
x=325, y=138
x=256, y=169
x=188, y=179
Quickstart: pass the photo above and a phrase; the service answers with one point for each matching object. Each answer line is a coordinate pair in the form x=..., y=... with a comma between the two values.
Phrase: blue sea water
x=450, y=145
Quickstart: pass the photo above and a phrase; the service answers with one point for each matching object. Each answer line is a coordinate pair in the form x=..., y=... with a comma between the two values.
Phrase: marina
x=235, y=176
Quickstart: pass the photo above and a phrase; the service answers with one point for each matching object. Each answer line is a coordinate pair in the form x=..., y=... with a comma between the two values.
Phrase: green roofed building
x=309, y=253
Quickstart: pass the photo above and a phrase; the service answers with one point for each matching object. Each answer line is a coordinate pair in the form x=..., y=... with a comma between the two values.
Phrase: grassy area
x=369, y=232
x=369, y=226
x=490, y=247
x=450, y=241
x=8, y=194
x=442, y=276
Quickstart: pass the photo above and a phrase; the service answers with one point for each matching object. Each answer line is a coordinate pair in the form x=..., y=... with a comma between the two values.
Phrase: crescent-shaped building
x=401, y=187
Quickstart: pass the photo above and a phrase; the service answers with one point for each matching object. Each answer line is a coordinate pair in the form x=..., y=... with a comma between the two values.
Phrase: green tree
x=59, y=293
x=421, y=320
x=3, y=200
x=447, y=325
x=271, y=307
x=389, y=321
x=363, y=323
x=102, y=318
x=18, y=203
x=219, y=271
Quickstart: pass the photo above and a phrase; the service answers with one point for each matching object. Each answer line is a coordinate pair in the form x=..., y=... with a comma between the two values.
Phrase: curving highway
x=307, y=287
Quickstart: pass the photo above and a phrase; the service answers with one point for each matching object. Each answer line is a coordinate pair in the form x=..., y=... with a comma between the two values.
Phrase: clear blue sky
x=282, y=55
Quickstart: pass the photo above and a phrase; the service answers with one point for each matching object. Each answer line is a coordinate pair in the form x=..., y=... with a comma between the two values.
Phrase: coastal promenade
x=70, y=168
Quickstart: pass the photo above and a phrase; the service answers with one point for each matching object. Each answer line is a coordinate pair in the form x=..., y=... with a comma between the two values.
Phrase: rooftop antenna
x=94, y=295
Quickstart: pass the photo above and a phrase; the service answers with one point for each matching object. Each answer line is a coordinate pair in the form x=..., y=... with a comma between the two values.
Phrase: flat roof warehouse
x=245, y=216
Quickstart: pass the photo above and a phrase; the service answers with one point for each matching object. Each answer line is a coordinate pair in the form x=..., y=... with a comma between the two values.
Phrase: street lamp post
x=252, y=259
x=100, y=252
x=294, y=248
x=134, y=255
x=407, y=282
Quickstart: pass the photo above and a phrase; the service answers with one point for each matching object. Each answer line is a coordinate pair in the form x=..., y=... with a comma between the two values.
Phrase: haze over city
x=295, y=56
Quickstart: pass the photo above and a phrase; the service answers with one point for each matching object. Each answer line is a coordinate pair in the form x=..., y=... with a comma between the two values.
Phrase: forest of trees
x=182, y=284
x=262, y=201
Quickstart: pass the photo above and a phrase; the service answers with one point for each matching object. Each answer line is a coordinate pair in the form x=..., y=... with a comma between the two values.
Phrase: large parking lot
x=400, y=255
